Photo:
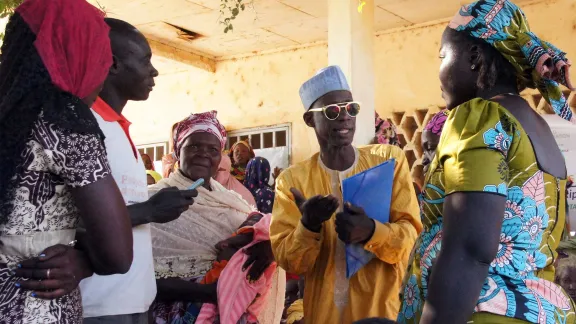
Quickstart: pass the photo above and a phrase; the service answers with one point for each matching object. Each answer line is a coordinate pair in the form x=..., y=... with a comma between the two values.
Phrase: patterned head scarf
x=539, y=64
x=198, y=123
x=436, y=124
x=386, y=132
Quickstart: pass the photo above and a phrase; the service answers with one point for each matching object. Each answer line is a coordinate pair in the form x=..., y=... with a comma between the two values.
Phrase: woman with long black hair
x=55, y=58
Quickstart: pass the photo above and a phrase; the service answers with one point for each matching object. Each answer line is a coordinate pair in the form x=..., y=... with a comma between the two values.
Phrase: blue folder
x=371, y=190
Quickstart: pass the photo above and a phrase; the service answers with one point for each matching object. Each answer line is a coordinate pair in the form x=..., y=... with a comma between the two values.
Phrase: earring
x=473, y=66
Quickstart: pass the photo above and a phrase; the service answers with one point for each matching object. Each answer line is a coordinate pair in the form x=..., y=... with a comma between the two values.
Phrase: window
x=155, y=151
x=262, y=137
x=272, y=143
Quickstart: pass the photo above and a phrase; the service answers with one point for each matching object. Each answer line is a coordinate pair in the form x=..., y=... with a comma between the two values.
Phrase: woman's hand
x=236, y=242
x=277, y=172
x=180, y=290
x=55, y=273
x=260, y=257
x=240, y=240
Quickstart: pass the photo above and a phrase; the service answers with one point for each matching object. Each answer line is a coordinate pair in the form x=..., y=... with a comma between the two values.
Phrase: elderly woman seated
x=566, y=266
x=214, y=260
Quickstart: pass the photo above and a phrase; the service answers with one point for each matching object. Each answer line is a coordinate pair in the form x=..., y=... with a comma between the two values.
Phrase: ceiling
x=264, y=25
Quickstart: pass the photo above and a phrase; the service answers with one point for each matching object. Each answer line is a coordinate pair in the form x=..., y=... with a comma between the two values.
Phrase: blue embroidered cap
x=326, y=80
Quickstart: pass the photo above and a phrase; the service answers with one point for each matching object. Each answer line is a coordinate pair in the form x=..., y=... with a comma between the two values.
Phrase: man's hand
x=354, y=226
x=55, y=273
x=316, y=210
x=169, y=203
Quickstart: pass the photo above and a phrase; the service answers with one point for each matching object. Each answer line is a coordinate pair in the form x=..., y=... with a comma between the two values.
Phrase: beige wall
x=407, y=61
x=263, y=90
x=248, y=92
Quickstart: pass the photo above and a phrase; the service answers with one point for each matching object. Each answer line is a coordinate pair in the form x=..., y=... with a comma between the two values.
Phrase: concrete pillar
x=351, y=46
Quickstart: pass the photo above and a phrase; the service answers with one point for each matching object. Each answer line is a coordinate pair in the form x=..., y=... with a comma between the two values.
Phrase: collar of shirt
x=110, y=115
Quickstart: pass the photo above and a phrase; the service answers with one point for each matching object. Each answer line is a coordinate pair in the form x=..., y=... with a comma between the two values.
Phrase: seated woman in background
x=566, y=267
x=185, y=249
x=431, y=137
x=257, y=181
x=225, y=178
x=493, y=200
x=55, y=57
x=294, y=303
x=152, y=177
x=150, y=170
x=168, y=164
x=385, y=132
x=240, y=153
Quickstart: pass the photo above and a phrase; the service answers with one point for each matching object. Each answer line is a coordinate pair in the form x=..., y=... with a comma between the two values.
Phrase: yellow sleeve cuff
x=381, y=234
x=307, y=235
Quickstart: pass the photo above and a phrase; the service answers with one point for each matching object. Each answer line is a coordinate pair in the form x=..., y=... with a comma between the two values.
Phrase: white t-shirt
x=133, y=292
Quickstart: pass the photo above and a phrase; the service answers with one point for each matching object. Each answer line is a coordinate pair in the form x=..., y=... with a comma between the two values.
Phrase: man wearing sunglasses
x=311, y=224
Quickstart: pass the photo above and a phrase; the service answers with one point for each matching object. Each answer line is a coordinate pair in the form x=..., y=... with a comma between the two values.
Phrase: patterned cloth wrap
x=385, y=131
x=538, y=63
x=241, y=300
x=436, y=124
x=257, y=181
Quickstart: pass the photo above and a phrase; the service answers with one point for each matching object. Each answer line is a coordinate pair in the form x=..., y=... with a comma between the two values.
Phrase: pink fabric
x=235, y=294
x=229, y=182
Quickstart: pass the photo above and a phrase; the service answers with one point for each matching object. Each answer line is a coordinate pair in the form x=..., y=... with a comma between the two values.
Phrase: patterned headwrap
x=539, y=64
x=385, y=131
x=436, y=124
x=198, y=123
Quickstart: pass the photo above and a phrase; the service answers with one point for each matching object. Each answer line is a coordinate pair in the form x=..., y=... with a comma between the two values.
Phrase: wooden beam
x=183, y=56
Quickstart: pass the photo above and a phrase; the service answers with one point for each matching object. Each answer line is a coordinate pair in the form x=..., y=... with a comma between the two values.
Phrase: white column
x=351, y=46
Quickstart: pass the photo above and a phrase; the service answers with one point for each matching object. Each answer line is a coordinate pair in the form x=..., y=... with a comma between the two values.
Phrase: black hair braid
x=494, y=67
x=26, y=90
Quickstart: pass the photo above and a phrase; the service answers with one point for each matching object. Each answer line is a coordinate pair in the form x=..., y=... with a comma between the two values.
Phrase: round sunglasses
x=333, y=111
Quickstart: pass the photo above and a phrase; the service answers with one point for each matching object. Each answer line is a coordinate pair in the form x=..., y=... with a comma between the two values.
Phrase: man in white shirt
x=126, y=298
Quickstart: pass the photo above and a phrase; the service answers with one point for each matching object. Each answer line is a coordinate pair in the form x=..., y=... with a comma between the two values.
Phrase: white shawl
x=184, y=248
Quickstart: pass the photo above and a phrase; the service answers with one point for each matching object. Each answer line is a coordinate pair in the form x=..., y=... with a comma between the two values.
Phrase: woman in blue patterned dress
x=257, y=181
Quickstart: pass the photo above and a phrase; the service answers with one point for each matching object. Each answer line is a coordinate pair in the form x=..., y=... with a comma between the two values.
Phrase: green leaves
x=229, y=10
x=7, y=8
